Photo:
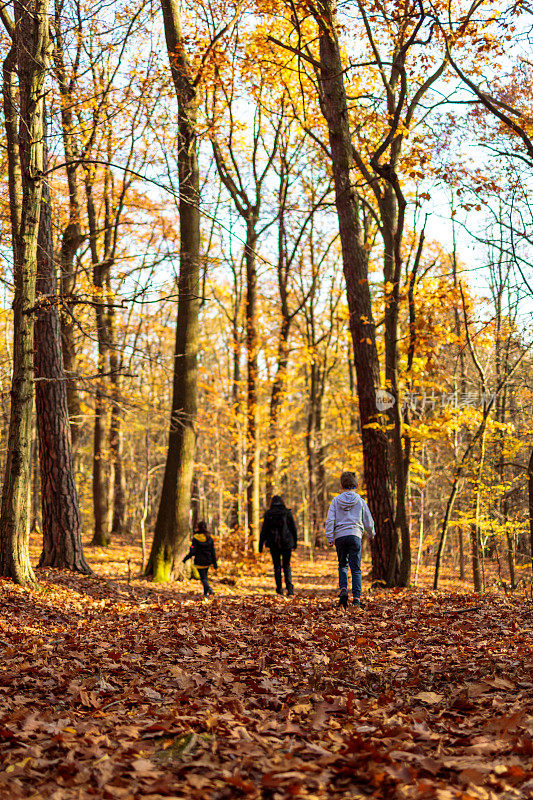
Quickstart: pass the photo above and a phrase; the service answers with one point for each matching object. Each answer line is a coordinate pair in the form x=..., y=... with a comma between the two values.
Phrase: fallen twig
x=462, y=610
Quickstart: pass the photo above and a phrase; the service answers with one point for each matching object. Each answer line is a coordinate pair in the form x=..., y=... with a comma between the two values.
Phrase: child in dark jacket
x=203, y=550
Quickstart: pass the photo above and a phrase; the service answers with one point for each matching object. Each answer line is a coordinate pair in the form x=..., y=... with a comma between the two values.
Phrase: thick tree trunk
x=62, y=546
x=26, y=166
x=172, y=526
x=385, y=556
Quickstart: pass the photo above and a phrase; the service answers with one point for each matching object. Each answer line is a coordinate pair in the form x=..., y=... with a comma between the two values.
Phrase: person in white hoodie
x=348, y=518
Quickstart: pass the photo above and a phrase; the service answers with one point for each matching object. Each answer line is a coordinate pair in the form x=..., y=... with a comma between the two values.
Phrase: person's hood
x=277, y=504
x=347, y=499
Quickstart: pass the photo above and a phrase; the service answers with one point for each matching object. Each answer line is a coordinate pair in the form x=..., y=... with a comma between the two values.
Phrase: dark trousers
x=282, y=557
x=349, y=553
x=202, y=572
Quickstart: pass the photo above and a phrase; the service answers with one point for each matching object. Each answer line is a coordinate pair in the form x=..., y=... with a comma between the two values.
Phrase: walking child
x=278, y=533
x=203, y=550
x=348, y=518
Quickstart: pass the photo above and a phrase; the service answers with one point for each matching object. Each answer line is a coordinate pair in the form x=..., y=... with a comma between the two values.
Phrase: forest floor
x=122, y=689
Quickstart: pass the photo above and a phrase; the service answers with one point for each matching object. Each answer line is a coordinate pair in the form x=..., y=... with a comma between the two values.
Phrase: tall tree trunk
x=385, y=555
x=62, y=546
x=172, y=526
x=392, y=224
x=236, y=466
x=26, y=165
x=101, y=483
x=115, y=428
x=72, y=233
x=278, y=386
x=476, y=566
x=530, y=503
x=252, y=455
x=118, y=520
x=315, y=454
x=276, y=400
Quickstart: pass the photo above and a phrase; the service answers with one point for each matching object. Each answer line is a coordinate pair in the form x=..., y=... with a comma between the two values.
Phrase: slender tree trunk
x=321, y=498
x=530, y=503
x=476, y=567
x=276, y=400
x=385, y=555
x=118, y=523
x=392, y=222
x=35, y=489
x=475, y=532
x=72, y=233
x=316, y=455
x=310, y=441
x=278, y=386
x=101, y=536
x=462, y=385
x=62, y=546
x=26, y=166
x=460, y=537
x=252, y=456
x=234, y=520
x=101, y=483
x=172, y=526
x=115, y=428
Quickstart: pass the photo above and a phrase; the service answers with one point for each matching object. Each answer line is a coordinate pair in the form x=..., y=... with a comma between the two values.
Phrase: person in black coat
x=203, y=550
x=278, y=533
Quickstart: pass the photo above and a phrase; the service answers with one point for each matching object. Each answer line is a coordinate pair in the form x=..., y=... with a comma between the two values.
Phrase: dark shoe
x=290, y=592
x=343, y=598
x=279, y=591
x=357, y=603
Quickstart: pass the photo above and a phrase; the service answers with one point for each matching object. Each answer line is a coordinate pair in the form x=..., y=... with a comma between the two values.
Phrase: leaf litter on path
x=147, y=692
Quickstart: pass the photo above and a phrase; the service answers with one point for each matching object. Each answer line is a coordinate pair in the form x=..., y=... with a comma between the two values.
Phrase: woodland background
x=437, y=164
x=246, y=246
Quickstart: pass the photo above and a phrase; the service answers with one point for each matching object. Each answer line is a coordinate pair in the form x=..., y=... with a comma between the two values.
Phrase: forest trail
x=130, y=691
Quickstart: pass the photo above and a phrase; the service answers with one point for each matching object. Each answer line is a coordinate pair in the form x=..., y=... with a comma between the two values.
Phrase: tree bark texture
x=236, y=489
x=276, y=403
x=25, y=157
x=315, y=454
x=62, y=546
x=278, y=387
x=530, y=502
x=172, y=526
x=72, y=235
x=118, y=516
x=252, y=346
x=385, y=555
x=101, y=483
x=392, y=225
x=476, y=565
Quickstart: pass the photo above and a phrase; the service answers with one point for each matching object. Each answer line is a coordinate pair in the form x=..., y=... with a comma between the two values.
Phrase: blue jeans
x=349, y=553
